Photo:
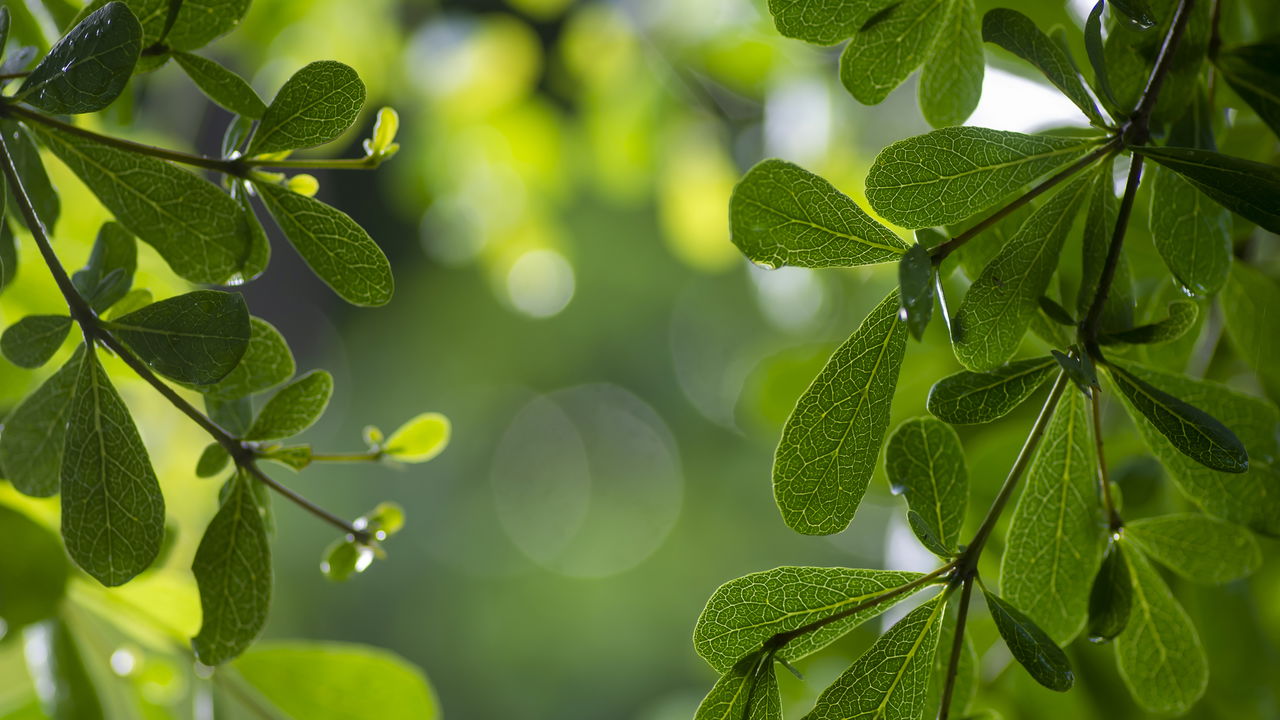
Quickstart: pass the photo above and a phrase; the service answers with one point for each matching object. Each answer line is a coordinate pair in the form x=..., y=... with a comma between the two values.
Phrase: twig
x=957, y=646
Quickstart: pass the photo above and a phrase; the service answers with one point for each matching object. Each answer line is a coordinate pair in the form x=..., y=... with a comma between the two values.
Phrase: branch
x=957, y=646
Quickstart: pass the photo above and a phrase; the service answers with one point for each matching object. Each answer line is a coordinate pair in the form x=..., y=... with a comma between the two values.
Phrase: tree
x=1003, y=207
x=75, y=437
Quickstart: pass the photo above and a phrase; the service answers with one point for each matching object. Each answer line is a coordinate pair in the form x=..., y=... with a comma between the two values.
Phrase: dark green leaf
x=313, y=107
x=1182, y=317
x=1192, y=431
x=196, y=227
x=235, y=415
x=89, y=66
x=969, y=397
x=1192, y=233
x=781, y=214
x=233, y=569
x=1135, y=10
x=1247, y=188
x=1078, y=369
x=112, y=509
x=950, y=174
x=830, y=443
x=744, y=613
x=823, y=22
x=891, y=679
x=294, y=408
x=1056, y=537
x=1099, y=228
x=31, y=341
x=1018, y=34
x=889, y=45
x=1247, y=499
x=747, y=692
x=212, y=461
x=1200, y=548
x=1031, y=646
x=195, y=338
x=199, y=22
x=221, y=85
x=1159, y=653
x=1130, y=52
x=31, y=444
x=259, y=244
x=106, y=278
x=1251, y=70
x=266, y=362
x=1250, y=303
x=915, y=283
x=1055, y=312
x=998, y=308
x=33, y=574
x=338, y=250
x=35, y=180
x=333, y=681
x=8, y=255
x=56, y=661
x=1111, y=597
x=951, y=82
x=925, y=463
x=1097, y=57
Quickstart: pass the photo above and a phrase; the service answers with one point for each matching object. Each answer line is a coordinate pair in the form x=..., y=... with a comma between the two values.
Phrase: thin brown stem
x=1104, y=482
x=941, y=252
x=957, y=647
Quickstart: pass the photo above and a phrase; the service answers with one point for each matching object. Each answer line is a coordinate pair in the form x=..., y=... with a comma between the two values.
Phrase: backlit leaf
x=89, y=66
x=781, y=214
x=925, y=464
x=1200, y=548
x=31, y=341
x=294, y=408
x=201, y=21
x=221, y=85
x=830, y=443
x=823, y=22
x=1251, y=314
x=950, y=174
x=967, y=398
x=889, y=45
x=108, y=274
x=1018, y=34
x=951, y=81
x=32, y=439
x=313, y=107
x=1247, y=188
x=1031, y=646
x=745, y=612
x=267, y=362
x=1191, y=232
x=747, y=692
x=418, y=440
x=197, y=338
x=1099, y=228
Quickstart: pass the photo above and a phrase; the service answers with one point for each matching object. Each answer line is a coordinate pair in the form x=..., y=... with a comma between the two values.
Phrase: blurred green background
x=617, y=375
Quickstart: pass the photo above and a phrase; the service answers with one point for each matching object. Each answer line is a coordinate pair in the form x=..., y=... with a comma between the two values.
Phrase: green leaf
x=1099, y=227
x=418, y=440
x=267, y=362
x=31, y=341
x=1056, y=537
x=830, y=443
x=57, y=662
x=196, y=227
x=343, y=558
x=1159, y=654
x=294, y=457
x=1247, y=188
x=212, y=461
x=195, y=338
x=950, y=174
x=335, y=681
x=31, y=444
x=1031, y=646
x=233, y=570
x=135, y=299
x=1111, y=597
x=112, y=509
x=1249, y=303
x=89, y=67
x=1018, y=34
x=313, y=107
x=33, y=575
x=781, y=214
x=221, y=85
x=747, y=692
x=8, y=255
x=1098, y=59
x=1247, y=499
x=891, y=679
x=235, y=415
x=1191, y=430
x=823, y=22
x=35, y=180
x=259, y=245
x=1250, y=70
x=925, y=463
x=1131, y=49
x=106, y=278
x=1200, y=548
x=745, y=612
x=889, y=45
x=915, y=284
x=951, y=82
x=1182, y=317
x=199, y=22
x=998, y=308
x=1191, y=232
x=338, y=250
x=1135, y=10
x=294, y=408
x=968, y=398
